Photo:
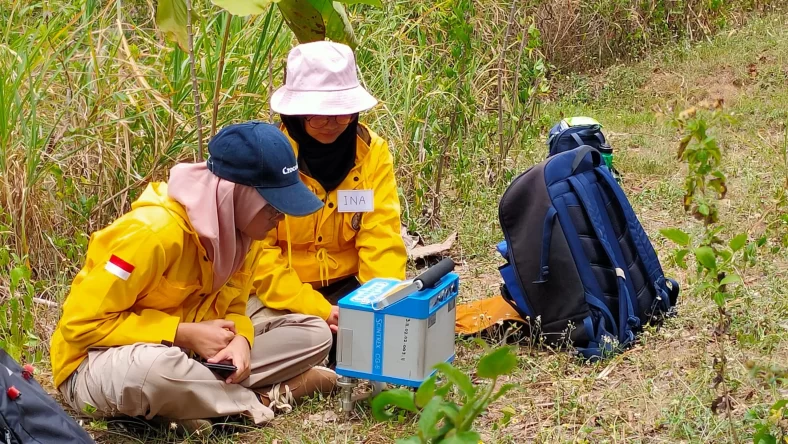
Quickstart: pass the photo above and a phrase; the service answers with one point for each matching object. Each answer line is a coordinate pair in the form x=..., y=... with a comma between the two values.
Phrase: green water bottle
x=607, y=156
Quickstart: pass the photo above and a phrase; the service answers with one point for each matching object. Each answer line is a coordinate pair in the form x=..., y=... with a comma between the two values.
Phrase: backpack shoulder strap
x=626, y=310
x=643, y=244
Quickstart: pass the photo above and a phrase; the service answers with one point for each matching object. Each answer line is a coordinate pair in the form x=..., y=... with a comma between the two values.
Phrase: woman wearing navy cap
x=166, y=285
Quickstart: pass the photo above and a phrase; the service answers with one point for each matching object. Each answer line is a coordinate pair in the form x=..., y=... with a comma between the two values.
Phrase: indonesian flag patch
x=119, y=267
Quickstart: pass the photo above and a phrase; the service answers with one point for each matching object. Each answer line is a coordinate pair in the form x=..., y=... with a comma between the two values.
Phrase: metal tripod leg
x=348, y=399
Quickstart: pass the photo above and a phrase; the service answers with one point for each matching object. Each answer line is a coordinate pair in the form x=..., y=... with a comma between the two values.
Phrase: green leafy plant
x=441, y=420
x=770, y=426
x=716, y=260
x=17, y=331
x=773, y=428
x=310, y=20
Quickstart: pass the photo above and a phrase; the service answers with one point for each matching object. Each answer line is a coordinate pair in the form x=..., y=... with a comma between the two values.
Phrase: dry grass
x=588, y=35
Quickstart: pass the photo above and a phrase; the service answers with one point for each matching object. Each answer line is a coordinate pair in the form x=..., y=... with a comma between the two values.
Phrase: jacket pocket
x=350, y=226
x=239, y=279
x=168, y=295
x=302, y=231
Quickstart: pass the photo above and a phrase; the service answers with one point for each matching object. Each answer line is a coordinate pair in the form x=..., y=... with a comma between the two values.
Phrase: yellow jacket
x=330, y=245
x=171, y=283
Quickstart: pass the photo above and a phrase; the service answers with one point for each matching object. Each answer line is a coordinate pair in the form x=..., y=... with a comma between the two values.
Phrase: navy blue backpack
x=28, y=415
x=579, y=266
x=575, y=132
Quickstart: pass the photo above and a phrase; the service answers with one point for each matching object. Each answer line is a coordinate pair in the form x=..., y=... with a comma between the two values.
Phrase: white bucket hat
x=321, y=79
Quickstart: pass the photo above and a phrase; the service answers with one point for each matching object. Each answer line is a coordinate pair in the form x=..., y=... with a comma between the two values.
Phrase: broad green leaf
x=451, y=410
x=171, y=20
x=315, y=20
x=5, y=257
x=411, y=440
x=500, y=361
x=429, y=418
x=502, y=391
x=444, y=390
x=779, y=405
x=484, y=345
x=761, y=241
x=674, y=234
x=425, y=392
x=17, y=274
x=508, y=412
x=719, y=299
x=303, y=19
x=725, y=254
x=730, y=279
x=243, y=7
x=458, y=378
x=463, y=438
x=365, y=2
x=705, y=256
x=338, y=27
x=763, y=435
x=401, y=398
x=680, y=258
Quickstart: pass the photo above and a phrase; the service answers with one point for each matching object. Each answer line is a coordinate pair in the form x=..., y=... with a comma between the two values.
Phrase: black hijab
x=329, y=164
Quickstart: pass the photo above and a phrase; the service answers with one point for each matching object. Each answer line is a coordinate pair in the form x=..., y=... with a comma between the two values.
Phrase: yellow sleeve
x=240, y=284
x=97, y=311
x=381, y=250
x=236, y=312
x=280, y=288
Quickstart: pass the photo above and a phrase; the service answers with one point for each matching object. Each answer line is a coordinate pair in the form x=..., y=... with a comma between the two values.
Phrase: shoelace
x=283, y=402
x=326, y=264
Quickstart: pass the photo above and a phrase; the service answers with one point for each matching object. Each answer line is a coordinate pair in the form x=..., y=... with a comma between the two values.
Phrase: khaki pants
x=156, y=380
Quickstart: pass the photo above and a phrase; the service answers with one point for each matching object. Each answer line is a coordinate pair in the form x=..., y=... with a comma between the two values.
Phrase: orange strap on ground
x=477, y=316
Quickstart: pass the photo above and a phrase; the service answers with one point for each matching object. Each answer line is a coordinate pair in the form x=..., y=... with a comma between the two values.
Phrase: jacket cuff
x=166, y=327
x=322, y=306
x=243, y=325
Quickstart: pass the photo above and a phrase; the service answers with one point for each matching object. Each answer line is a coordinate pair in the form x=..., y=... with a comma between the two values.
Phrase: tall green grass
x=94, y=104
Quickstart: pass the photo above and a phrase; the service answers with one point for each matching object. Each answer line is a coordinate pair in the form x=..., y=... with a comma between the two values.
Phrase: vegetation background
x=94, y=104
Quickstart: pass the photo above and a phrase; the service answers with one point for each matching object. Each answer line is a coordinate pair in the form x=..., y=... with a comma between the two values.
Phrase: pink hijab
x=219, y=211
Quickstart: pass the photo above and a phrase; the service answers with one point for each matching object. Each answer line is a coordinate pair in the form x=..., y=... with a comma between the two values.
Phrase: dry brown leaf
x=328, y=416
x=411, y=241
x=421, y=252
x=752, y=69
x=688, y=113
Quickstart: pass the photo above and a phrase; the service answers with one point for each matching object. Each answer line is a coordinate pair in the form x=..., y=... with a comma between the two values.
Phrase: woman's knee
x=316, y=332
x=151, y=371
x=322, y=334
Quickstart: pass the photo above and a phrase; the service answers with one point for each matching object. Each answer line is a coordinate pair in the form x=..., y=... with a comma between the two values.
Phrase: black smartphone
x=223, y=369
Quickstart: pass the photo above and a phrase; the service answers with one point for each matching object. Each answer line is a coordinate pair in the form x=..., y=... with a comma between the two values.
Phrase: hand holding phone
x=239, y=354
x=223, y=369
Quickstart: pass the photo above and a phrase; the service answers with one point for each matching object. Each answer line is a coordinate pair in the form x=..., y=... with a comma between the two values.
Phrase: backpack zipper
x=7, y=438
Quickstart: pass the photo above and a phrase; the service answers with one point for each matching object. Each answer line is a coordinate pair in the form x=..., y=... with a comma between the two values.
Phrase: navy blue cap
x=259, y=155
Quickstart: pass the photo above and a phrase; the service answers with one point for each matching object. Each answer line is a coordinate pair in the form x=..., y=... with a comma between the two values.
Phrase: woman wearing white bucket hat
x=310, y=262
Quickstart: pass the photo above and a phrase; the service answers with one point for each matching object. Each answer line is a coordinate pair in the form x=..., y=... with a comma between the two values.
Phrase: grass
x=89, y=114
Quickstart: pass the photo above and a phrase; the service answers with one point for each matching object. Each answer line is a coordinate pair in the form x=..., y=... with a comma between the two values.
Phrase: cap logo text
x=288, y=170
